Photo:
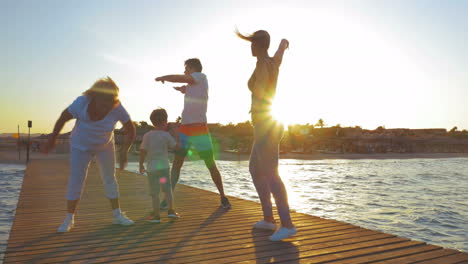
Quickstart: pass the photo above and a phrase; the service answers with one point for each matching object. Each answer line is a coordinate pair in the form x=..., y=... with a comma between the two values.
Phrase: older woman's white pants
x=79, y=163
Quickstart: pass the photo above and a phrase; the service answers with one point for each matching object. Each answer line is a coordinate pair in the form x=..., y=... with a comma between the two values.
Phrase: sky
x=395, y=63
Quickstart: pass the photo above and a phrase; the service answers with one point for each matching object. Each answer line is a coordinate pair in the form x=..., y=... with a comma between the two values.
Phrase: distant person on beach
x=263, y=165
x=194, y=129
x=154, y=150
x=96, y=113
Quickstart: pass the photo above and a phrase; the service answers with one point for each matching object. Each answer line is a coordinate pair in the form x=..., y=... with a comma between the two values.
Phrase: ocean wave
x=11, y=178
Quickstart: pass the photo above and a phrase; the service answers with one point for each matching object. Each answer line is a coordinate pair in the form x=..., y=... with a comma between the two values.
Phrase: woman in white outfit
x=96, y=113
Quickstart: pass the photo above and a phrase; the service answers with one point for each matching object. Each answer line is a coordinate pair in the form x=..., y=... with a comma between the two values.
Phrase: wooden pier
x=204, y=234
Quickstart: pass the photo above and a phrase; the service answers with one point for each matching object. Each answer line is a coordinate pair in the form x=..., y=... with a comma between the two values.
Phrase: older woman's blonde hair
x=104, y=87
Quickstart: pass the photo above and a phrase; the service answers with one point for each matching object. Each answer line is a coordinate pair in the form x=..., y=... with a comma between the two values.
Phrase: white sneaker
x=265, y=225
x=173, y=215
x=66, y=226
x=122, y=219
x=283, y=233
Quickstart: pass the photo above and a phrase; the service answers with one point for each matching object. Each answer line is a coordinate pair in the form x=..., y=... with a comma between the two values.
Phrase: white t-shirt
x=196, y=100
x=94, y=135
x=156, y=143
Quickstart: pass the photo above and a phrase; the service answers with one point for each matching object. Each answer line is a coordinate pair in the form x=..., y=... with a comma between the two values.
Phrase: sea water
x=420, y=199
x=11, y=178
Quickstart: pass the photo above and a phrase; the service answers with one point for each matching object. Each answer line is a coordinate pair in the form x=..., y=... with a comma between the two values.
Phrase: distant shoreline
x=9, y=156
x=346, y=156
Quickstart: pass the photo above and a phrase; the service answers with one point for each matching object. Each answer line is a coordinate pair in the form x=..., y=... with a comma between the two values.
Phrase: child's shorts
x=159, y=178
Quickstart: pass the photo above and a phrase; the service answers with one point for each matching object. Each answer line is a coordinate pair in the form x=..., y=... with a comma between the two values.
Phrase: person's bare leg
x=260, y=183
x=175, y=171
x=69, y=221
x=215, y=176
x=218, y=181
x=119, y=217
x=269, y=219
x=156, y=208
x=155, y=188
x=175, y=174
x=115, y=204
x=280, y=194
x=169, y=198
x=71, y=206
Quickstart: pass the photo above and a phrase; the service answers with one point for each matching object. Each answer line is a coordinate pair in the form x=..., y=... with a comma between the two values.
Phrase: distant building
x=351, y=131
x=397, y=131
x=430, y=131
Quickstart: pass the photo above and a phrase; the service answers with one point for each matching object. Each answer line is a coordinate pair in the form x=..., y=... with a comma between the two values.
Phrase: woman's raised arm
x=278, y=57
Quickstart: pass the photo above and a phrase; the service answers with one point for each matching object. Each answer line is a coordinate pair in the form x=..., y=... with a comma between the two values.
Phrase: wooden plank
x=153, y=243
x=420, y=257
x=202, y=252
x=458, y=258
x=388, y=255
x=205, y=233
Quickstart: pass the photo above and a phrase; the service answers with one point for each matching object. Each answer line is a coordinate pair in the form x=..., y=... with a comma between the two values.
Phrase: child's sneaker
x=225, y=203
x=172, y=214
x=265, y=225
x=66, y=226
x=283, y=233
x=122, y=219
x=153, y=219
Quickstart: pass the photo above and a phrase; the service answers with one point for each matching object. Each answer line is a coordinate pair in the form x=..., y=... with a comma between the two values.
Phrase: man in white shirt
x=194, y=130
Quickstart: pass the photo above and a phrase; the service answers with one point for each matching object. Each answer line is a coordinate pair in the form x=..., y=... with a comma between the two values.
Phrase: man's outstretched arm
x=176, y=78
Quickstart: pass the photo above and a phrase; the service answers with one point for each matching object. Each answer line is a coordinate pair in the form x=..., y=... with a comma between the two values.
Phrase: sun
x=290, y=109
x=282, y=113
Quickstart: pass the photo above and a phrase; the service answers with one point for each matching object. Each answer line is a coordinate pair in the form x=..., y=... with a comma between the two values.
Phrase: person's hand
x=159, y=79
x=284, y=44
x=181, y=89
x=123, y=160
x=142, y=169
x=48, y=146
x=173, y=128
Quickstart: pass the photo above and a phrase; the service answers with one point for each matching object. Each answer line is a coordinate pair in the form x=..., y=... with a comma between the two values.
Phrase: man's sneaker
x=172, y=214
x=265, y=225
x=163, y=205
x=283, y=233
x=152, y=219
x=66, y=226
x=122, y=219
x=225, y=203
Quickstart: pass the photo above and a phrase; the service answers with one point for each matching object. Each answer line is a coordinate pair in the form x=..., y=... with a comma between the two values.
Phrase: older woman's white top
x=89, y=135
